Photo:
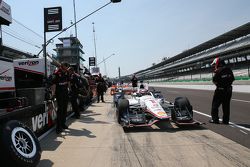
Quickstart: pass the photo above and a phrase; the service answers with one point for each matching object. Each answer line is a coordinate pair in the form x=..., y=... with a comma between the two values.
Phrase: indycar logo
x=29, y=63
x=5, y=78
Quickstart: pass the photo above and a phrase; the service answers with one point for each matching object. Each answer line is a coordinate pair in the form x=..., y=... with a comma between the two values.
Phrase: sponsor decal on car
x=44, y=119
x=161, y=113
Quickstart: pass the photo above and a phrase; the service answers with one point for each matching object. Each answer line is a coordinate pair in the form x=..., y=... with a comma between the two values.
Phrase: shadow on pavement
x=51, y=143
x=88, y=117
x=81, y=133
x=45, y=163
x=164, y=127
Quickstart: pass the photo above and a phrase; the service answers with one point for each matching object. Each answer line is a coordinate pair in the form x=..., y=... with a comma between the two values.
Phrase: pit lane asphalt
x=97, y=140
x=238, y=130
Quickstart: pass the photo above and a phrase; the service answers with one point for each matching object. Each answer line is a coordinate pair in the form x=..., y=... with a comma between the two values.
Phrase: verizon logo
x=29, y=63
x=5, y=78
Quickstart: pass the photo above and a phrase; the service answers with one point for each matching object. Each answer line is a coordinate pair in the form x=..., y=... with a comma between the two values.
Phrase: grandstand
x=194, y=64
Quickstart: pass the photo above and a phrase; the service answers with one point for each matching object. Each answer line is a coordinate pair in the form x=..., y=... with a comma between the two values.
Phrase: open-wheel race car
x=126, y=88
x=140, y=110
x=145, y=108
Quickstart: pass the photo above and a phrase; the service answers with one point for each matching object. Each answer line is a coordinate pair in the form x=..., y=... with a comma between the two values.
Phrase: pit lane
x=97, y=140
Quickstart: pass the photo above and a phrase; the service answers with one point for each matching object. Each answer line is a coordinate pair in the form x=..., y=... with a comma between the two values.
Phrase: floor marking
x=232, y=126
x=231, y=123
x=241, y=100
x=244, y=132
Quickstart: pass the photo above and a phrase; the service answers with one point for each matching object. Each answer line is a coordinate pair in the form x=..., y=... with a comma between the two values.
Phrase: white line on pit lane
x=241, y=100
x=231, y=123
x=244, y=132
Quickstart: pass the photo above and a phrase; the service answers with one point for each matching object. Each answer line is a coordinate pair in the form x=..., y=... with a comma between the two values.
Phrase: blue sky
x=138, y=32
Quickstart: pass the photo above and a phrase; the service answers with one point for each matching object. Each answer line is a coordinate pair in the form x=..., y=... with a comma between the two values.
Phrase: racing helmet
x=217, y=62
x=143, y=91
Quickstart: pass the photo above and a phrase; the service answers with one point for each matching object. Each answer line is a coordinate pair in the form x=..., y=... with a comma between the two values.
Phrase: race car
x=145, y=108
x=140, y=110
x=126, y=88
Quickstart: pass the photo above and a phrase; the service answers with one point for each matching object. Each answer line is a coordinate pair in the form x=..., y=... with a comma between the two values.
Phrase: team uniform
x=61, y=80
x=101, y=87
x=74, y=85
x=223, y=79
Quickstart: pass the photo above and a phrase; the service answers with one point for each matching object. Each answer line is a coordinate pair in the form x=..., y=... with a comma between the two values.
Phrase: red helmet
x=217, y=62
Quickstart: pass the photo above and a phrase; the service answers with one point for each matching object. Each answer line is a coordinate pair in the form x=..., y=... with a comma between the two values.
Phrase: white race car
x=145, y=108
x=142, y=109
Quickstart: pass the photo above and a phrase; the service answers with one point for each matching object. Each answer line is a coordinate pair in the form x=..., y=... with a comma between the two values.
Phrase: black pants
x=98, y=96
x=221, y=96
x=62, y=105
x=74, y=104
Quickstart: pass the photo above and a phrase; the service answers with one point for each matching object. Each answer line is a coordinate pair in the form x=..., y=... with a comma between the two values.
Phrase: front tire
x=123, y=105
x=183, y=102
x=19, y=145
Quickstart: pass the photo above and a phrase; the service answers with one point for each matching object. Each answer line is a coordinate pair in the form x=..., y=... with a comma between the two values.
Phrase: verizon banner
x=35, y=65
x=5, y=13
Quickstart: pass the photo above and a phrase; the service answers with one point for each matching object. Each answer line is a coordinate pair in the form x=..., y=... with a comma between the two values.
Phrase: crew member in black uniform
x=101, y=86
x=60, y=89
x=223, y=79
x=134, y=81
x=74, y=90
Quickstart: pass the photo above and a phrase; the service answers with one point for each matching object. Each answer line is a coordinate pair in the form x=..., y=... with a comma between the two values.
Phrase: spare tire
x=19, y=145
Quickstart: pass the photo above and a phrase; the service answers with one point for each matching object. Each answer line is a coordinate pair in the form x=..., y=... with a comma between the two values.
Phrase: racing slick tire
x=183, y=102
x=123, y=105
x=18, y=145
x=173, y=115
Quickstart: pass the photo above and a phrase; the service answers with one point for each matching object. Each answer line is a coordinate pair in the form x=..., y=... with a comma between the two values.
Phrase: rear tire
x=19, y=145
